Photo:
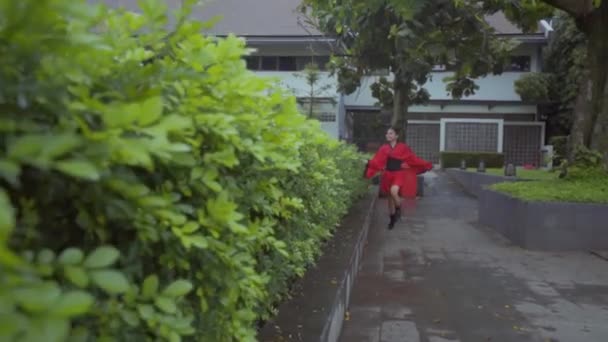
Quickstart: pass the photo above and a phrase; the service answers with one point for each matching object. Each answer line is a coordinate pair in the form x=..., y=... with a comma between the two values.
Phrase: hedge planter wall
x=555, y=226
x=151, y=188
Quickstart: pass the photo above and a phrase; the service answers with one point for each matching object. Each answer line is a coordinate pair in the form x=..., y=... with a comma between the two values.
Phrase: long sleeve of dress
x=378, y=162
x=413, y=161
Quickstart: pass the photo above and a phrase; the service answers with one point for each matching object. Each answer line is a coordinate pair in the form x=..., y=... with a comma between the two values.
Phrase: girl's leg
x=395, y=196
x=394, y=207
x=391, y=205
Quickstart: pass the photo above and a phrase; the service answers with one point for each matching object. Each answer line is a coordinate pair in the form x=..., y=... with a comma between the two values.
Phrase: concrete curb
x=333, y=327
x=316, y=310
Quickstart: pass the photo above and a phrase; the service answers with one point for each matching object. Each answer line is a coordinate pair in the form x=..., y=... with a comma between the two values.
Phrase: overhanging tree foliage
x=409, y=38
x=590, y=121
x=557, y=85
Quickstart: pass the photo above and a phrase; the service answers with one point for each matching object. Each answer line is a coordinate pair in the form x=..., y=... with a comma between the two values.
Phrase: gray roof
x=243, y=17
x=271, y=17
x=502, y=25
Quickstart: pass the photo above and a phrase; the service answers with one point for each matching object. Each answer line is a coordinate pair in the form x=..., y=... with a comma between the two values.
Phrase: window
x=303, y=61
x=287, y=64
x=269, y=63
x=253, y=62
x=320, y=61
x=519, y=63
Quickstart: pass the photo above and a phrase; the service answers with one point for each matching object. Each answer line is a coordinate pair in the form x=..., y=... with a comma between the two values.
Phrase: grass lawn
x=523, y=173
x=545, y=186
x=593, y=190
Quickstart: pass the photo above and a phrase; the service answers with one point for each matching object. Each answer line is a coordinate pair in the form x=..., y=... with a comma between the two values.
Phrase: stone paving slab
x=439, y=276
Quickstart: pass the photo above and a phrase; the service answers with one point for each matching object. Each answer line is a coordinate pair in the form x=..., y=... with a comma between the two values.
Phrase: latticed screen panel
x=522, y=144
x=424, y=140
x=471, y=136
x=369, y=129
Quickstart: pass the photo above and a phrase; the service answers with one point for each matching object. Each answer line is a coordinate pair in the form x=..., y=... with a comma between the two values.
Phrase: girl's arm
x=411, y=160
x=377, y=163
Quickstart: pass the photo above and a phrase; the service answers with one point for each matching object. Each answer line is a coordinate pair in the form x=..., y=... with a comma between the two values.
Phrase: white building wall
x=491, y=88
x=296, y=82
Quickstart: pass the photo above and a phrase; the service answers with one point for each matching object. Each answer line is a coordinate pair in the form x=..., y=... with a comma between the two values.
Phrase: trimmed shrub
x=452, y=159
x=534, y=87
x=151, y=188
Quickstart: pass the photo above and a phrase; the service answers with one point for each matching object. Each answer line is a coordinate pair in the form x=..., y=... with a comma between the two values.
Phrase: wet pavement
x=439, y=277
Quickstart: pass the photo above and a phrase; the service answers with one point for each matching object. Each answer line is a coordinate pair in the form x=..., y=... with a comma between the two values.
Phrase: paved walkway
x=439, y=277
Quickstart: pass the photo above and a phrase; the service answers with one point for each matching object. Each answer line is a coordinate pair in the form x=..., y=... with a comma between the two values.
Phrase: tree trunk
x=590, y=122
x=599, y=137
x=400, y=104
x=397, y=94
x=581, y=121
x=597, y=30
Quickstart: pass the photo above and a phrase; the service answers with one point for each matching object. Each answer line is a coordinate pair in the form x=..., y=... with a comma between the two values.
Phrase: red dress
x=403, y=175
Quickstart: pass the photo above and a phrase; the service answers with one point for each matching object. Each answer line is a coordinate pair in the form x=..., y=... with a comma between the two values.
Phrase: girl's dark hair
x=395, y=129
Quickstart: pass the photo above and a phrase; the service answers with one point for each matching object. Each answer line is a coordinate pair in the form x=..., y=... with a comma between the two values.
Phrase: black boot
x=397, y=214
x=393, y=219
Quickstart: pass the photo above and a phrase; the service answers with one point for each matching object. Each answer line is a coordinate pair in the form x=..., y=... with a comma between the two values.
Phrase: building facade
x=493, y=120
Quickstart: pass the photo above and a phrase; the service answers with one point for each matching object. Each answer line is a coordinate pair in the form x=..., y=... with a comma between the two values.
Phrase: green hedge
x=151, y=188
x=452, y=159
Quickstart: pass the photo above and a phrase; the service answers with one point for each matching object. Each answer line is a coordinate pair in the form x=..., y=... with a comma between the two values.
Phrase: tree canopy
x=590, y=119
x=410, y=38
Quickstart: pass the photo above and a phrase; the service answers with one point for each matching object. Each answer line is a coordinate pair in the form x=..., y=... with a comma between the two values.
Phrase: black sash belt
x=393, y=164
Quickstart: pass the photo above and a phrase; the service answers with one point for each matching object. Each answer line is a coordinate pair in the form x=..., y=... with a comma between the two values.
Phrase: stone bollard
x=510, y=170
x=482, y=166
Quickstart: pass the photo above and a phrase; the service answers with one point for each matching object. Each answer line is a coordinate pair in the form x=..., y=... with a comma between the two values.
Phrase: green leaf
x=150, y=111
x=190, y=227
x=27, y=147
x=46, y=256
x=197, y=240
x=7, y=216
x=79, y=334
x=226, y=157
x=59, y=145
x=103, y=256
x=174, y=337
x=48, y=329
x=166, y=304
x=111, y=281
x=150, y=286
x=72, y=304
x=178, y=288
x=37, y=299
x=122, y=115
x=71, y=256
x=78, y=168
x=10, y=171
x=146, y=311
x=77, y=276
x=12, y=324
x=130, y=318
